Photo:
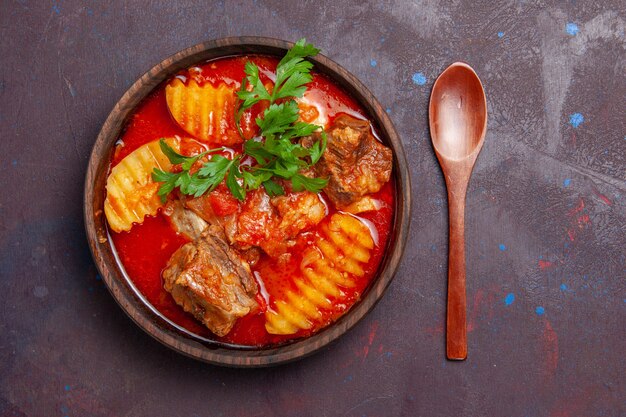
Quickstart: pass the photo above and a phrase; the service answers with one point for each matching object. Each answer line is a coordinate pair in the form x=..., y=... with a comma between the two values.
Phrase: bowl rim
x=121, y=287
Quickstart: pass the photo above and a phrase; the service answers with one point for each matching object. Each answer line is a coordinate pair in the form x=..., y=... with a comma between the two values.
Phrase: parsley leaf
x=168, y=180
x=293, y=72
x=299, y=49
x=277, y=118
x=172, y=155
x=185, y=161
x=258, y=93
x=233, y=185
x=315, y=185
x=318, y=148
x=254, y=179
x=294, y=86
x=273, y=188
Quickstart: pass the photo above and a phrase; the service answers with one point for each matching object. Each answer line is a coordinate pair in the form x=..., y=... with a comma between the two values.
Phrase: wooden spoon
x=458, y=122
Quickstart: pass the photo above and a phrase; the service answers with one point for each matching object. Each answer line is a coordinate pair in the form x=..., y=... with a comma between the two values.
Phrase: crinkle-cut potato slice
x=204, y=111
x=131, y=193
x=332, y=264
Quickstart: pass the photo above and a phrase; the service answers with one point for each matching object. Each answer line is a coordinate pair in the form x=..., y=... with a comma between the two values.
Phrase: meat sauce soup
x=146, y=248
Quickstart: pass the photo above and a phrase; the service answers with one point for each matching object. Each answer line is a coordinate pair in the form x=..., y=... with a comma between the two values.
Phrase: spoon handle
x=456, y=331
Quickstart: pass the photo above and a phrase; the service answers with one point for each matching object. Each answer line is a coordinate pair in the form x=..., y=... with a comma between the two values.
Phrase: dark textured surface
x=546, y=221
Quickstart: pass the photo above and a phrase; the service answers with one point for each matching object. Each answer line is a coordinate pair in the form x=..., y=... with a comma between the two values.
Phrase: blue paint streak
x=508, y=300
x=388, y=355
x=576, y=119
x=571, y=29
x=14, y=162
x=67, y=388
x=563, y=287
x=567, y=182
x=419, y=78
x=373, y=62
x=500, y=34
x=502, y=247
x=348, y=378
x=56, y=8
x=540, y=310
x=388, y=109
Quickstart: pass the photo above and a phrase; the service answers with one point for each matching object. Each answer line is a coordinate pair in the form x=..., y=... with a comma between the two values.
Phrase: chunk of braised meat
x=263, y=222
x=273, y=223
x=255, y=221
x=210, y=280
x=215, y=206
x=183, y=220
x=355, y=163
x=298, y=211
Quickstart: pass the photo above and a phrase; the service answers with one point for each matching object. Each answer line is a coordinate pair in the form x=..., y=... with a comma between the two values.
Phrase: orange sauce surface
x=146, y=248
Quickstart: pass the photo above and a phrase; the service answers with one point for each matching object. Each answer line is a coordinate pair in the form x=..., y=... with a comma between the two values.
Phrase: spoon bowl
x=458, y=112
x=458, y=123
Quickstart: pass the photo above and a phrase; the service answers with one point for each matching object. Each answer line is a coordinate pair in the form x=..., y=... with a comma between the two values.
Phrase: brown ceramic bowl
x=123, y=289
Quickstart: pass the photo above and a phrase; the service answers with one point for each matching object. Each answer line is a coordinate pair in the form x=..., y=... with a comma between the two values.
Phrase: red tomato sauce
x=146, y=248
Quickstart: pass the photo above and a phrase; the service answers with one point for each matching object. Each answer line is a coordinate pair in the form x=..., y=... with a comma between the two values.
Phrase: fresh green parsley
x=275, y=150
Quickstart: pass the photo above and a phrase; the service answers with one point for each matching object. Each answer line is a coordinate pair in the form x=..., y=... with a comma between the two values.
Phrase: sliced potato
x=204, y=111
x=131, y=192
x=334, y=262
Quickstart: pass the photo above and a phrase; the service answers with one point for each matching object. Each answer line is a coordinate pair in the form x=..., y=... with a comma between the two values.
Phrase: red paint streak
x=348, y=363
x=579, y=220
x=550, y=350
x=580, y=401
x=583, y=219
x=602, y=197
x=482, y=307
x=544, y=264
x=579, y=207
x=576, y=405
x=478, y=299
x=370, y=339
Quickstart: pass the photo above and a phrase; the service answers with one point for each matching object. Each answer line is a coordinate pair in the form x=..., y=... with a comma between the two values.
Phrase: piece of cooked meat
x=273, y=223
x=211, y=281
x=260, y=221
x=298, y=211
x=255, y=222
x=184, y=221
x=355, y=163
